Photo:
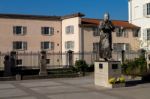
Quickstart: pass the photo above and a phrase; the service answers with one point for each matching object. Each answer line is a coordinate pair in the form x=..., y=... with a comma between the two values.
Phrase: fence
x=61, y=60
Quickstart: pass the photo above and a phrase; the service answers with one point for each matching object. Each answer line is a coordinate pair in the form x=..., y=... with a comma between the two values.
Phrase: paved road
x=68, y=88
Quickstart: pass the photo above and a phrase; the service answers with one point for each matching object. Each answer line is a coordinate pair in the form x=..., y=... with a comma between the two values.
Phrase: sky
x=118, y=9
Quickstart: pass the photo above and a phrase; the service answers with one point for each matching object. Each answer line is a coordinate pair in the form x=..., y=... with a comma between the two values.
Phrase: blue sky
x=118, y=9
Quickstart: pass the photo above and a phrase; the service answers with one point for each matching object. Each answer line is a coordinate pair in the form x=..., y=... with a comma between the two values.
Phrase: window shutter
x=24, y=30
x=145, y=34
x=14, y=45
x=25, y=45
x=127, y=47
x=72, y=29
x=42, y=30
x=14, y=29
x=52, y=45
x=145, y=10
x=51, y=31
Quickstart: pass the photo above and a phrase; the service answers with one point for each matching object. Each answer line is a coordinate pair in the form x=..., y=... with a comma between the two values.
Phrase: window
x=19, y=45
x=96, y=47
x=114, y=66
x=135, y=32
x=70, y=29
x=100, y=66
x=121, y=46
x=125, y=32
x=95, y=32
x=69, y=45
x=47, y=30
x=19, y=30
x=146, y=9
x=47, y=45
x=146, y=34
x=121, y=32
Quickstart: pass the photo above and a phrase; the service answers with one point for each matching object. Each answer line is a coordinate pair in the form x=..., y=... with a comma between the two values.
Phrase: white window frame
x=23, y=30
x=69, y=45
x=50, y=31
x=70, y=29
x=23, y=45
x=50, y=45
x=146, y=10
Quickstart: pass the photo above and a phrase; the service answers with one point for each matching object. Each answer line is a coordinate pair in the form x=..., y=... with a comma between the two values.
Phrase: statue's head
x=106, y=17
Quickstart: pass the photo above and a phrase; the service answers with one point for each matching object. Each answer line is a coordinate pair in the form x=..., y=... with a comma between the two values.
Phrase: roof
x=117, y=23
x=21, y=16
x=40, y=17
x=73, y=15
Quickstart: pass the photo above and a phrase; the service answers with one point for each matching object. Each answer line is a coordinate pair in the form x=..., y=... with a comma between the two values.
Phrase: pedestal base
x=43, y=73
x=104, y=70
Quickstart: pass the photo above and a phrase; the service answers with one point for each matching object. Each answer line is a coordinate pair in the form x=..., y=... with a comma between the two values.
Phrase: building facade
x=58, y=35
x=29, y=34
x=124, y=37
x=139, y=14
x=25, y=33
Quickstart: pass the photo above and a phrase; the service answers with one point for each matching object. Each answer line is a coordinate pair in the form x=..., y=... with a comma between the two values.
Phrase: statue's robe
x=105, y=44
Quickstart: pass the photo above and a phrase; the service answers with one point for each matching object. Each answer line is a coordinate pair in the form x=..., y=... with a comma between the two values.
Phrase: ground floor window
x=19, y=45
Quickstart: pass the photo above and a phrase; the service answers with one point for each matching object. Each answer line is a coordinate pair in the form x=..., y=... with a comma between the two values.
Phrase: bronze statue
x=105, y=45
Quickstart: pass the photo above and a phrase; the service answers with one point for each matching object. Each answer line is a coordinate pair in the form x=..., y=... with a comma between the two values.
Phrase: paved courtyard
x=69, y=88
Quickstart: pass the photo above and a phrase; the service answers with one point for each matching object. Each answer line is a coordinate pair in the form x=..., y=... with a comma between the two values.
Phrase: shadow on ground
x=136, y=82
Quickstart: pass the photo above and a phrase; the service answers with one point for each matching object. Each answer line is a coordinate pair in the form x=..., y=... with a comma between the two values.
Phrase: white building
x=139, y=14
x=71, y=36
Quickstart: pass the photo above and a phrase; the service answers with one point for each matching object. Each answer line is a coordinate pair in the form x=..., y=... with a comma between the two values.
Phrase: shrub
x=91, y=68
x=122, y=79
x=135, y=67
x=112, y=80
x=117, y=80
x=81, y=66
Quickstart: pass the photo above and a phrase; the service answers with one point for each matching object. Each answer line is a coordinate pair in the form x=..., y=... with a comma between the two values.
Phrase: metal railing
x=60, y=60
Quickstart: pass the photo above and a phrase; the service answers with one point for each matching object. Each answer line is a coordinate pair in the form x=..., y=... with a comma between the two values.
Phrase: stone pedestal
x=18, y=77
x=43, y=65
x=104, y=70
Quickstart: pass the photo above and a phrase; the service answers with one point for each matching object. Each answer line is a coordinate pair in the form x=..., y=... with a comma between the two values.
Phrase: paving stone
x=24, y=98
x=87, y=95
x=6, y=86
x=11, y=93
x=40, y=84
x=58, y=89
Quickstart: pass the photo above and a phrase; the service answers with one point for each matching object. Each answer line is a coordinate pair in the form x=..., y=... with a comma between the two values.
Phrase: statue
x=105, y=45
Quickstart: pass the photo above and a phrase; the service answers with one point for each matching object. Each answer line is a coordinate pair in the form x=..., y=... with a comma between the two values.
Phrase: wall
x=137, y=17
x=75, y=21
x=33, y=36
